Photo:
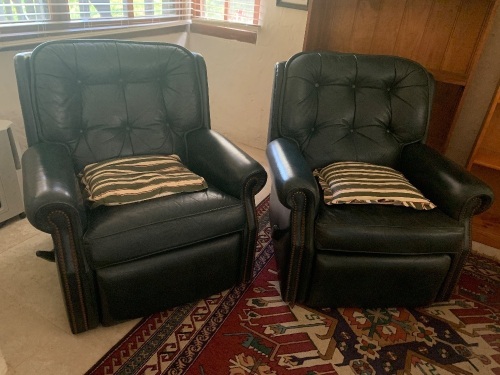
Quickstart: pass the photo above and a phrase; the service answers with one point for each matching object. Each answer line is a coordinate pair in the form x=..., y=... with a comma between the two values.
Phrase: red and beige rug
x=249, y=330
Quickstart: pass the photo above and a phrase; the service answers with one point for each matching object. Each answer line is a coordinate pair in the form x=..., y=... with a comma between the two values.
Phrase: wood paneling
x=412, y=28
x=336, y=19
x=466, y=33
x=440, y=34
x=437, y=32
x=367, y=15
x=388, y=25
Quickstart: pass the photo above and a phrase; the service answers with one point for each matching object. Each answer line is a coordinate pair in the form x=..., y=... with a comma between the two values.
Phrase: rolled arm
x=293, y=217
x=452, y=188
x=223, y=164
x=51, y=186
x=291, y=174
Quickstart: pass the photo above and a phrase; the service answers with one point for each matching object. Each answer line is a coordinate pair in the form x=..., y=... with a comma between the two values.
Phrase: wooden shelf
x=486, y=229
x=488, y=158
x=486, y=226
x=447, y=77
x=485, y=164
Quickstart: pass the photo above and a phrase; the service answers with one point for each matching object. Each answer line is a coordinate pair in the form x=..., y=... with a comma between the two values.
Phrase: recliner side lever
x=48, y=255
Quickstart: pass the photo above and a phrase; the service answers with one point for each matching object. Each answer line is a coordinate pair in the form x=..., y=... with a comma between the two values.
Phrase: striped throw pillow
x=363, y=183
x=138, y=178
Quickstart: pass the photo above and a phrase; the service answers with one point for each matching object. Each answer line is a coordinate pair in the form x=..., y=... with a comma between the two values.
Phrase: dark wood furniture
x=484, y=162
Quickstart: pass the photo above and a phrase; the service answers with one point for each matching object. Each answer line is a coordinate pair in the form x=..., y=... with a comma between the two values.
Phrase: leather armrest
x=50, y=185
x=223, y=164
x=449, y=186
x=291, y=173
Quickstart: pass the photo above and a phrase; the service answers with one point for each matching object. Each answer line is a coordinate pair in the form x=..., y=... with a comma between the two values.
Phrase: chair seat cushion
x=386, y=230
x=119, y=234
x=138, y=178
x=365, y=183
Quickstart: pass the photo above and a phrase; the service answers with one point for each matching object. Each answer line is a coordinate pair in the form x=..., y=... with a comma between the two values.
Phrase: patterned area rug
x=248, y=330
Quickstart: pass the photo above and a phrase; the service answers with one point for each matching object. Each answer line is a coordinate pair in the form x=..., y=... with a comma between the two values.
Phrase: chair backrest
x=339, y=106
x=105, y=99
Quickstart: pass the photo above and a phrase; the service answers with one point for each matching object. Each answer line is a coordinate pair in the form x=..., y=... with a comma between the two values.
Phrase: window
x=21, y=19
x=237, y=11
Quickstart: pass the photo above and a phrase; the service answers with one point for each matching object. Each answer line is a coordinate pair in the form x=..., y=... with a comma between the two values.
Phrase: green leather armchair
x=329, y=107
x=85, y=101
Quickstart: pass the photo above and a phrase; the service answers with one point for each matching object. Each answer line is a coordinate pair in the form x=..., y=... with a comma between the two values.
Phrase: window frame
x=198, y=5
x=61, y=25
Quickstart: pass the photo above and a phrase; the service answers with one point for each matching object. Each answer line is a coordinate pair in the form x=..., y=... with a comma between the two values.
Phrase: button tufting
x=352, y=130
x=316, y=84
x=353, y=86
x=313, y=129
x=81, y=131
x=388, y=89
x=79, y=82
x=388, y=131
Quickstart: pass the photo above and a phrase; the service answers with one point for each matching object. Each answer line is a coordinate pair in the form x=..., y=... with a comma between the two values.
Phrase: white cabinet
x=11, y=199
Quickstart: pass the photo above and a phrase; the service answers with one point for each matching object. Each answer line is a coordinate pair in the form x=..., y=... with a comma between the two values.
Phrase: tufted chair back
x=339, y=107
x=108, y=99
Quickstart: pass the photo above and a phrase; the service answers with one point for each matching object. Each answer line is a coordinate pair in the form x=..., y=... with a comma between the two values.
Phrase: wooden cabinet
x=445, y=36
x=484, y=162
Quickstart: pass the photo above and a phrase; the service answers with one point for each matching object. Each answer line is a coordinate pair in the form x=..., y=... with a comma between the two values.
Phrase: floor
x=34, y=333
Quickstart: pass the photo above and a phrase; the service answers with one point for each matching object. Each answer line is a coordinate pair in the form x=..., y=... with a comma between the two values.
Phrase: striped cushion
x=363, y=183
x=138, y=178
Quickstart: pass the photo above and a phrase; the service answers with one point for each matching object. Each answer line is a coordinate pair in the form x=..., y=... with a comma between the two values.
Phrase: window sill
x=108, y=32
x=241, y=33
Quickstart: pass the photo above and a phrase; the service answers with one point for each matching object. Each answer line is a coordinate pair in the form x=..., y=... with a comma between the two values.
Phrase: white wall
x=10, y=108
x=240, y=75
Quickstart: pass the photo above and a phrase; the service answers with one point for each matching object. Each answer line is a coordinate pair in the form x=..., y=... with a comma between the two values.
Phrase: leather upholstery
x=138, y=236
x=384, y=229
x=85, y=101
x=350, y=107
x=329, y=107
x=120, y=101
